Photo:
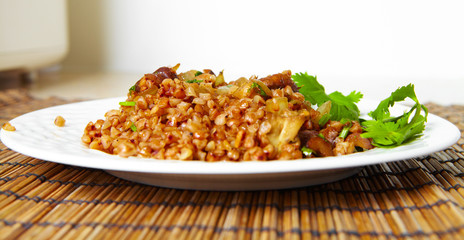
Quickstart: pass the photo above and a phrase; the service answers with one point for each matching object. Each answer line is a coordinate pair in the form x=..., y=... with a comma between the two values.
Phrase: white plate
x=38, y=137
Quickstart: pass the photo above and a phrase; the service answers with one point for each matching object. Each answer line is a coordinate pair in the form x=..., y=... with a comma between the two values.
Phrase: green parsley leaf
x=388, y=131
x=132, y=89
x=259, y=88
x=198, y=73
x=342, y=106
x=345, y=106
x=194, y=81
x=311, y=89
x=127, y=103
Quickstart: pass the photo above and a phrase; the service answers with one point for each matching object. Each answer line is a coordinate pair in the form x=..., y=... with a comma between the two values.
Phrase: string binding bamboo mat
x=420, y=198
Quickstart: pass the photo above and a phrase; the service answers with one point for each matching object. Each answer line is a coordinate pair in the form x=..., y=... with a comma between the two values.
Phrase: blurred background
x=99, y=48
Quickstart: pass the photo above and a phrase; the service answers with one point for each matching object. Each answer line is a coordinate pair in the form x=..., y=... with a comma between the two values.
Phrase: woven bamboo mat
x=420, y=198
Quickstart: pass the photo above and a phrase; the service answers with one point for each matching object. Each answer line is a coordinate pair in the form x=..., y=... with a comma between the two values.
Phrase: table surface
x=420, y=198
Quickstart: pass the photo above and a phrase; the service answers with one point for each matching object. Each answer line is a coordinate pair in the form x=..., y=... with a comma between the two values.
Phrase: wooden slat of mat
x=420, y=198
x=83, y=206
x=15, y=102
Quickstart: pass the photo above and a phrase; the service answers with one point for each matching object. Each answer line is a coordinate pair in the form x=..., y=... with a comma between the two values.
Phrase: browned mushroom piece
x=280, y=80
x=359, y=141
x=151, y=81
x=305, y=135
x=320, y=146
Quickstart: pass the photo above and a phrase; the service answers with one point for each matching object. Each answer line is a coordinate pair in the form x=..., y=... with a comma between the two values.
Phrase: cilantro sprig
x=384, y=129
x=341, y=106
x=388, y=131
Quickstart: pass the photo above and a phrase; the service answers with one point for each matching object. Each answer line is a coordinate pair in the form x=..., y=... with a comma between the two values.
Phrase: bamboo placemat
x=420, y=198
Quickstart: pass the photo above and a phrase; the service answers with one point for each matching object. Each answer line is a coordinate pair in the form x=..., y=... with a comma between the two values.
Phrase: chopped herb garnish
x=346, y=129
x=127, y=103
x=133, y=127
x=344, y=121
x=132, y=89
x=324, y=119
x=198, y=73
x=307, y=151
x=194, y=81
x=345, y=132
x=260, y=89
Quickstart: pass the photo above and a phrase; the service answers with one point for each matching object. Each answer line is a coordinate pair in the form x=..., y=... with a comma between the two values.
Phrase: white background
x=371, y=46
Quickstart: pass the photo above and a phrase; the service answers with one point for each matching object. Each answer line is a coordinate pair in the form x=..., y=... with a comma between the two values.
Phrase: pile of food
x=197, y=115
